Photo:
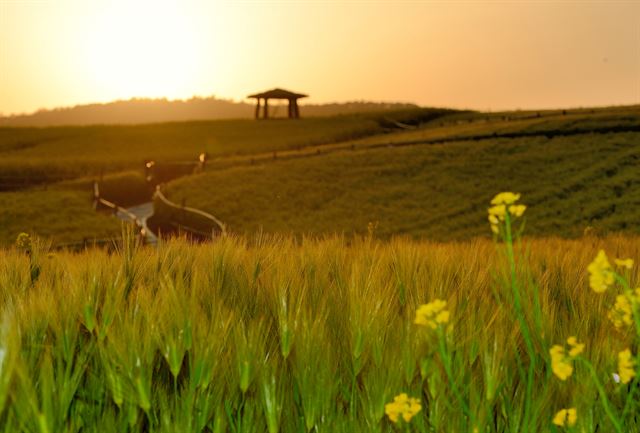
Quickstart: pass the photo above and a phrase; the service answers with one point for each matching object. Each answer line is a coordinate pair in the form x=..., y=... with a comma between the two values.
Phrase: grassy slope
x=64, y=214
x=439, y=190
x=58, y=216
x=341, y=192
x=76, y=151
x=465, y=125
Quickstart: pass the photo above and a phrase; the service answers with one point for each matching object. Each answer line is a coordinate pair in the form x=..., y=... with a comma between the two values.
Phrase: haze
x=495, y=55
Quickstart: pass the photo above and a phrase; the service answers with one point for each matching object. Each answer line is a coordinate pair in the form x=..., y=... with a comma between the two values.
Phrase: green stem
x=603, y=397
x=524, y=327
x=627, y=403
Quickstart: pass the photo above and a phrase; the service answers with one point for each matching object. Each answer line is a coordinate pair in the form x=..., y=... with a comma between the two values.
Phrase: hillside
x=31, y=156
x=420, y=173
x=576, y=170
x=137, y=111
x=47, y=174
x=58, y=217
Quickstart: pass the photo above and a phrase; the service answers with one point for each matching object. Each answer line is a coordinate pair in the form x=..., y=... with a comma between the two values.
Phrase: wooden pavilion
x=294, y=111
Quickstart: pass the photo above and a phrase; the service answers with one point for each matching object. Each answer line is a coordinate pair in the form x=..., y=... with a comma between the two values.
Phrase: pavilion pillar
x=257, y=108
x=266, y=108
x=296, y=110
x=290, y=114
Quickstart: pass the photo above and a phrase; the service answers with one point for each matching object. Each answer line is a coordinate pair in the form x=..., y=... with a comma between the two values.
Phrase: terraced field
x=577, y=169
x=421, y=173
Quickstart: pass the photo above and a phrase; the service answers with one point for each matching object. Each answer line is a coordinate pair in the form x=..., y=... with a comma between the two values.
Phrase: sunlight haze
x=482, y=55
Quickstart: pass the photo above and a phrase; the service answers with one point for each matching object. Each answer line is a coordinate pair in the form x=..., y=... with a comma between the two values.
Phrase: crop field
x=59, y=216
x=421, y=173
x=439, y=191
x=335, y=334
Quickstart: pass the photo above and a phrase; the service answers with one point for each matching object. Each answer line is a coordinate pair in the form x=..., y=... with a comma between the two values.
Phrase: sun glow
x=142, y=48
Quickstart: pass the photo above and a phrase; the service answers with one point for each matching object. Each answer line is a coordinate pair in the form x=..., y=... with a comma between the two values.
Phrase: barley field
x=335, y=334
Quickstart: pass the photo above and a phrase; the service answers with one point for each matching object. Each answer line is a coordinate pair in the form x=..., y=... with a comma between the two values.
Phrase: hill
x=46, y=174
x=577, y=171
x=422, y=173
x=138, y=111
x=43, y=155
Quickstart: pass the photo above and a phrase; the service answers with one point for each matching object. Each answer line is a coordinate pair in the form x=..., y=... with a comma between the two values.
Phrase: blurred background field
x=424, y=173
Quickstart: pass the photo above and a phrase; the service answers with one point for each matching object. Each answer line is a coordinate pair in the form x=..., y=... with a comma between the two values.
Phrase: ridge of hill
x=144, y=111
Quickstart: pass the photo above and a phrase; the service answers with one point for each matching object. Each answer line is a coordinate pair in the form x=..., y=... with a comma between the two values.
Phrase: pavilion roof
x=278, y=94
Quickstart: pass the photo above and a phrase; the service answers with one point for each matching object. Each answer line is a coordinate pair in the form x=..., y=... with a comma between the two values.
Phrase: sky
x=461, y=54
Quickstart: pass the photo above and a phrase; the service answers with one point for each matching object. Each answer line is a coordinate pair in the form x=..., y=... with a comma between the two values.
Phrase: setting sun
x=459, y=54
x=143, y=48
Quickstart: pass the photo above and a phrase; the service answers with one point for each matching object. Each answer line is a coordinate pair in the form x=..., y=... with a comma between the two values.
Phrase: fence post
x=202, y=159
x=96, y=195
x=148, y=166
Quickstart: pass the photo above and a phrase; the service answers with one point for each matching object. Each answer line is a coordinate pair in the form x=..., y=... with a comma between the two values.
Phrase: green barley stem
x=446, y=361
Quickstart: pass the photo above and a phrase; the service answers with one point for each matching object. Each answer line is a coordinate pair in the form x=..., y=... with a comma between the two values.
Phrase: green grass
x=314, y=336
x=437, y=191
x=424, y=187
x=59, y=216
x=468, y=125
x=124, y=188
x=48, y=154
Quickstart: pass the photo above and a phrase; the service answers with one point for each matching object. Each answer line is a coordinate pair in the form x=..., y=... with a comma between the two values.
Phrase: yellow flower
x=566, y=417
x=622, y=313
x=402, y=405
x=503, y=203
x=626, y=366
x=601, y=275
x=495, y=229
x=576, y=348
x=412, y=410
x=517, y=210
x=394, y=409
x=560, y=363
x=505, y=198
x=442, y=317
x=432, y=314
x=624, y=263
x=498, y=212
x=493, y=222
